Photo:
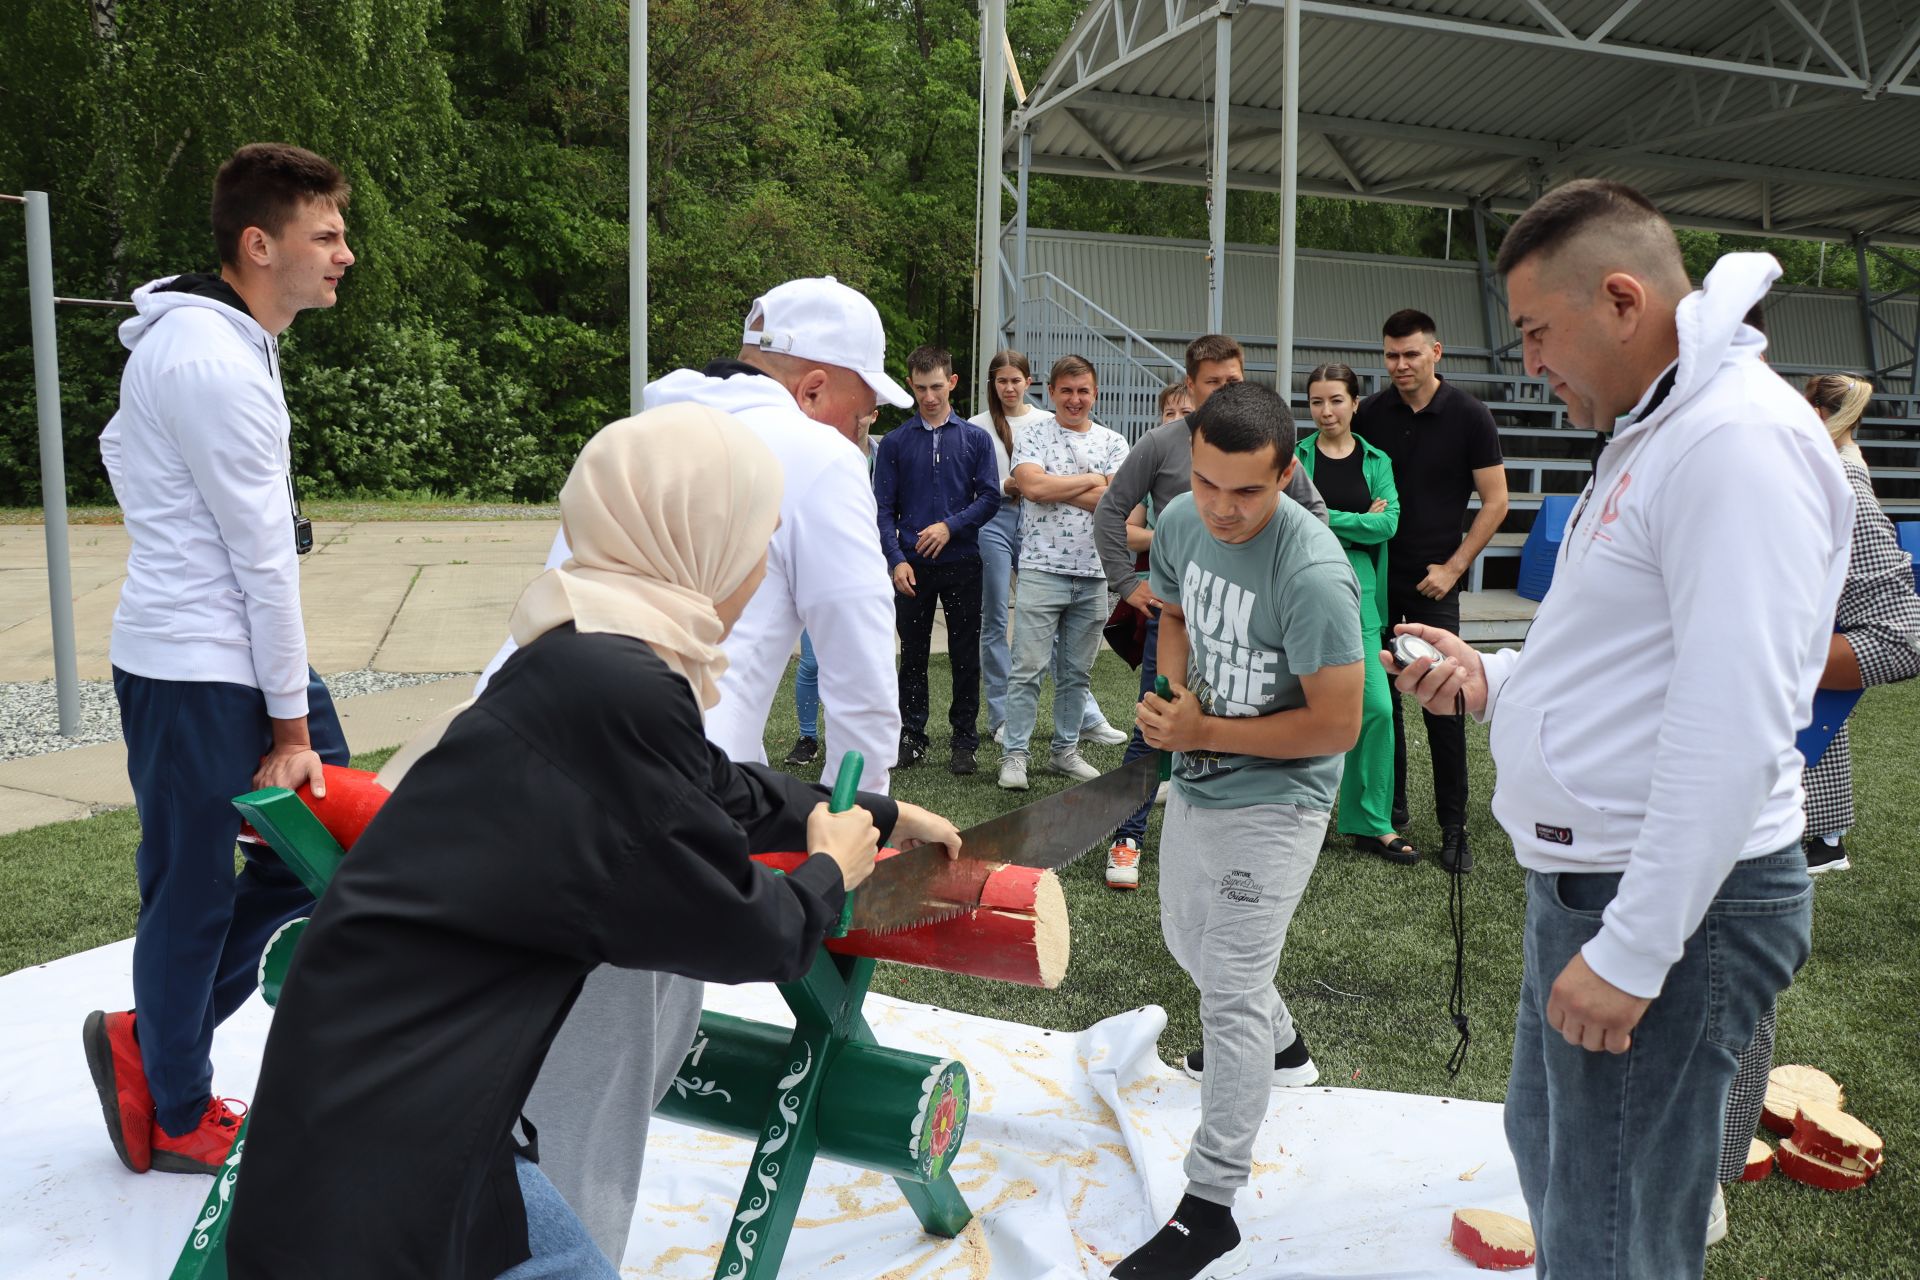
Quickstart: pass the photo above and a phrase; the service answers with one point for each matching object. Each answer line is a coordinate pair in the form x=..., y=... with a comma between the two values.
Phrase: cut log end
x=1831, y=1134
x=1759, y=1161
x=1020, y=933
x=1492, y=1241
x=1834, y=1174
x=1789, y=1086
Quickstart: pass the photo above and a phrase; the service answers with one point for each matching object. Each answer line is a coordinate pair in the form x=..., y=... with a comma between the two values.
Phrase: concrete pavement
x=415, y=597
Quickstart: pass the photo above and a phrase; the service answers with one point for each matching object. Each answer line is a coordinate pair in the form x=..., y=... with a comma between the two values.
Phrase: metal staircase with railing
x=1053, y=319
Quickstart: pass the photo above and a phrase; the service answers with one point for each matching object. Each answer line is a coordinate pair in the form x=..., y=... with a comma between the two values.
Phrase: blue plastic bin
x=1909, y=531
x=1542, y=546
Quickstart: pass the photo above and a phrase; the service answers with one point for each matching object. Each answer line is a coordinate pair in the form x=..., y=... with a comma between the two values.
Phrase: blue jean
x=1616, y=1152
x=999, y=555
x=562, y=1249
x=192, y=746
x=1073, y=609
x=806, y=689
x=999, y=552
x=1135, y=827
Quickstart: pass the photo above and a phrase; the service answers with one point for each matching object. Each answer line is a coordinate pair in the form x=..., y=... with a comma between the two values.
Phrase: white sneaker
x=1013, y=772
x=1123, y=865
x=1160, y=792
x=1073, y=765
x=1000, y=733
x=1104, y=735
x=1717, y=1217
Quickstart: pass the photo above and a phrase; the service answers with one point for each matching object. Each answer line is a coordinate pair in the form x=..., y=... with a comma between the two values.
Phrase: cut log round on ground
x=1492, y=1241
x=1828, y=1175
x=352, y=798
x=1018, y=934
x=1831, y=1134
x=1759, y=1161
x=1788, y=1087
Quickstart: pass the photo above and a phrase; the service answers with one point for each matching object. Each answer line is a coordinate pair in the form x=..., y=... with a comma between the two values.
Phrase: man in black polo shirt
x=1444, y=449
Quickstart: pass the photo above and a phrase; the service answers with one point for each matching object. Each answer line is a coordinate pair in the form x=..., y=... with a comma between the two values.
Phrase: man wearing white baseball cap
x=810, y=367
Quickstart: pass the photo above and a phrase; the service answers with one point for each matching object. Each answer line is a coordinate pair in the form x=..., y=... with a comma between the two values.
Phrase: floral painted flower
x=945, y=1117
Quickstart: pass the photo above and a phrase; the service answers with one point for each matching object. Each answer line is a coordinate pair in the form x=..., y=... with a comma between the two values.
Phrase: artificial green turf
x=1367, y=963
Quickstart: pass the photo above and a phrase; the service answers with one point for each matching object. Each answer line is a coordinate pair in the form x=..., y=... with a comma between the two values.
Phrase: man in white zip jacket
x=209, y=649
x=1644, y=739
x=810, y=368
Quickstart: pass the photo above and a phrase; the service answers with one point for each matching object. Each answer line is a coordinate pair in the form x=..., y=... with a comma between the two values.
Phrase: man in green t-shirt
x=1266, y=634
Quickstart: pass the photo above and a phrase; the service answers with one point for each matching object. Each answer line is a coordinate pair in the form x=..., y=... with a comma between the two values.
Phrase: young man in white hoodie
x=1644, y=740
x=810, y=368
x=209, y=650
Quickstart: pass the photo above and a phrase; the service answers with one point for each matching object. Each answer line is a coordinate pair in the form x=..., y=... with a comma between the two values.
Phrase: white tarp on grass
x=1072, y=1157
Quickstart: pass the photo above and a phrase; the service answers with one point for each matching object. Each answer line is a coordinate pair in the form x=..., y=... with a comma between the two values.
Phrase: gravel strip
x=30, y=710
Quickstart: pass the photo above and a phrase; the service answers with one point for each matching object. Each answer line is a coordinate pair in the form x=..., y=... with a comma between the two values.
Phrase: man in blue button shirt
x=936, y=484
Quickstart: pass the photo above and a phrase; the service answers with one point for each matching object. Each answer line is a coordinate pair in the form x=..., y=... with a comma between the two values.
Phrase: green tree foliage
x=482, y=335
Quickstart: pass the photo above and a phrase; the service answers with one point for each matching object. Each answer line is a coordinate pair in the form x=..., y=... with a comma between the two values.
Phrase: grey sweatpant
x=1229, y=882
x=613, y=1061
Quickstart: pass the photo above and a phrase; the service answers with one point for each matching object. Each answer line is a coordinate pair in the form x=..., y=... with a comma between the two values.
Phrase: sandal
x=1395, y=850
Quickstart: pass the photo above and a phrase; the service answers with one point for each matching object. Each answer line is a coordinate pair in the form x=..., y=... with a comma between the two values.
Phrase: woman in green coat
x=1363, y=509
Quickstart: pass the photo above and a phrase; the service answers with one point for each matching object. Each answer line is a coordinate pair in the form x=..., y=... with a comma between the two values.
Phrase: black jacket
x=574, y=816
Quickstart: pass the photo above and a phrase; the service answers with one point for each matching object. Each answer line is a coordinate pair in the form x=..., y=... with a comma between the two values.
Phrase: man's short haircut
x=929, y=359
x=1212, y=346
x=1630, y=220
x=1407, y=322
x=1072, y=367
x=1171, y=392
x=263, y=185
x=1245, y=417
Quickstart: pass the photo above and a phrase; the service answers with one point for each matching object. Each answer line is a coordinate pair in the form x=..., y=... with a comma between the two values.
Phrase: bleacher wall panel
x=1159, y=288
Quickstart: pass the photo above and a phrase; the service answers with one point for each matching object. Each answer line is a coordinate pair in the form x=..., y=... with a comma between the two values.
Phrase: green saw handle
x=846, y=788
x=1165, y=690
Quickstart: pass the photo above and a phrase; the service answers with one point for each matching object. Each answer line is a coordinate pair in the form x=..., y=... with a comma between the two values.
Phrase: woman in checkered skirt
x=1876, y=641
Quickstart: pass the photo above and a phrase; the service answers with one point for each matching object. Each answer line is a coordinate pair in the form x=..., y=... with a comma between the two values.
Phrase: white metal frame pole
x=1289, y=201
x=993, y=102
x=1217, y=184
x=53, y=462
x=636, y=201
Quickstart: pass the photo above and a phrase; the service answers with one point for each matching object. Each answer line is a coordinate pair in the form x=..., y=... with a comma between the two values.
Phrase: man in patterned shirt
x=1062, y=465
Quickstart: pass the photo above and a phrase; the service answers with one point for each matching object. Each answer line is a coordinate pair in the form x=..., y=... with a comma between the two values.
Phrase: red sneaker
x=205, y=1147
x=113, y=1059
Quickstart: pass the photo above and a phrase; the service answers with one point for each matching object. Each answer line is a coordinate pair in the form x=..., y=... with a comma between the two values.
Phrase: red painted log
x=1759, y=1161
x=1831, y=1134
x=1828, y=1175
x=1788, y=1086
x=352, y=798
x=1492, y=1241
x=1019, y=934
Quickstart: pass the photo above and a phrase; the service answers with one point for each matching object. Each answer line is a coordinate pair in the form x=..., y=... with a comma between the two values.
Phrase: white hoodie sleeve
x=844, y=596
x=1750, y=585
x=227, y=425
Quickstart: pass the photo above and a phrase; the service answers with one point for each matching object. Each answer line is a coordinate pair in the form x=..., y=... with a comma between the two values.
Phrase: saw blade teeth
x=944, y=916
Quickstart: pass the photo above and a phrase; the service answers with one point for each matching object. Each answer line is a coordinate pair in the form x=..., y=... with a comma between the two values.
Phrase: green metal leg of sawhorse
x=824, y=1088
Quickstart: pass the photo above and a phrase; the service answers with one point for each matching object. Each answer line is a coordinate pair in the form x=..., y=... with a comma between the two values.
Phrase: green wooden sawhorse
x=823, y=1087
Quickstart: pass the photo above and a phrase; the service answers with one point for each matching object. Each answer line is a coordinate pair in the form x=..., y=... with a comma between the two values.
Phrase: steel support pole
x=1866, y=307
x=993, y=102
x=53, y=462
x=636, y=201
x=1217, y=184
x=1020, y=239
x=1289, y=203
x=1488, y=321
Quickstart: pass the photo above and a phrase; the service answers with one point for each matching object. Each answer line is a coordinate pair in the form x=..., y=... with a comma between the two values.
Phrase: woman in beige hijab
x=575, y=815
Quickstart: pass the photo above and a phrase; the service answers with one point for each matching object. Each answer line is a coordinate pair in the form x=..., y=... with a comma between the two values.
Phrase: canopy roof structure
x=1761, y=117
x=1792, y=118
